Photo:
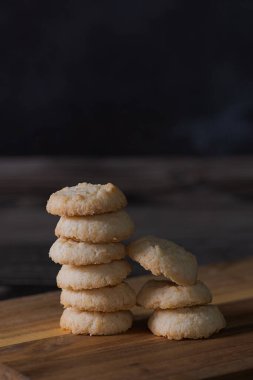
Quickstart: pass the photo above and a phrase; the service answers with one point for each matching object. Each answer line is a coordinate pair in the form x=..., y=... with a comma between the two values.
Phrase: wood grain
x=7, y=373
x=33, y=344
x=149, y=175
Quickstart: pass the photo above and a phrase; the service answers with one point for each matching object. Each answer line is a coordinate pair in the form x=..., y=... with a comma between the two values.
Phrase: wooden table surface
x=206, y=204
x=35, y=347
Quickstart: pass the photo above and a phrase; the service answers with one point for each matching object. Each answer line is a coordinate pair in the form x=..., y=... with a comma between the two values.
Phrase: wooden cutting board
x=32, y=344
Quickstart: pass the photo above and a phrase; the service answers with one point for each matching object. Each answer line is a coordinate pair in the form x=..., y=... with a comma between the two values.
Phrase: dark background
x=128, y=77
x=154, y=96
x=157, y=98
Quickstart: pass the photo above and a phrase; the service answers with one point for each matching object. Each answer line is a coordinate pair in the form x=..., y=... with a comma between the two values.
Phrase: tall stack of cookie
x=89, y=248
x=179, y=299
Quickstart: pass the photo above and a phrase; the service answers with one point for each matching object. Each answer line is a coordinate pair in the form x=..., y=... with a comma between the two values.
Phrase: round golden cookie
x=163, y=257
x=189, y=322
x=105, y=228
x=96, y=323
x=107, y=299
x=86, y=199
x=167, y=295
x=92, y=276
x=66, y=251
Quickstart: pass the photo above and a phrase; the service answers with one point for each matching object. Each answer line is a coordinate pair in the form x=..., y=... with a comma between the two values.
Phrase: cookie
x=163, y=257
x=190, y=322
x=107, y=299
x=96, y=323
x=66, y=251
x=166, y=295
x=105, y=228
x=86, y=199
x=92, y=276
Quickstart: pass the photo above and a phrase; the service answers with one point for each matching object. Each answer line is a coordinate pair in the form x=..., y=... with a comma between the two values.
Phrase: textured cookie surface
x=92, y=276
x=86, y=199
x=166, y=295
x=96, y=323
x=163, y=257
x=190, y=322
x=105, y=228
x=66, y=251
x=107, y=299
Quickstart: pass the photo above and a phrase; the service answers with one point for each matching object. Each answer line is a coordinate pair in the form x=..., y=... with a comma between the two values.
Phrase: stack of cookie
x=89, y=248
x=179, y=299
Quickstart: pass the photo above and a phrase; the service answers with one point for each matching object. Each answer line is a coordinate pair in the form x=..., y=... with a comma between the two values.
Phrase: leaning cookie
x=167, y=295
x=190, y=322
x=86, y=199
x=163, y=257
x=92, y=276
x=66, y=251
x=105, y=228
x=107, y=299
x=95, y=323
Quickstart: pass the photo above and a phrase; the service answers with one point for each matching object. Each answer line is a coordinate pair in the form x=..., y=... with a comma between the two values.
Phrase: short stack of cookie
x=97, y=301
x=180, y=301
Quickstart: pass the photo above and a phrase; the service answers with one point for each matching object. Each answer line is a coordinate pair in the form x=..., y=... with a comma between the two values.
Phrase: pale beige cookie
x=105, y=228
x=86, y=199
x=189, y=322
x=107, y=299
x=66, y=251
x=163, y=257
x=167, y=295
x=96, y=323
x=92, y=276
